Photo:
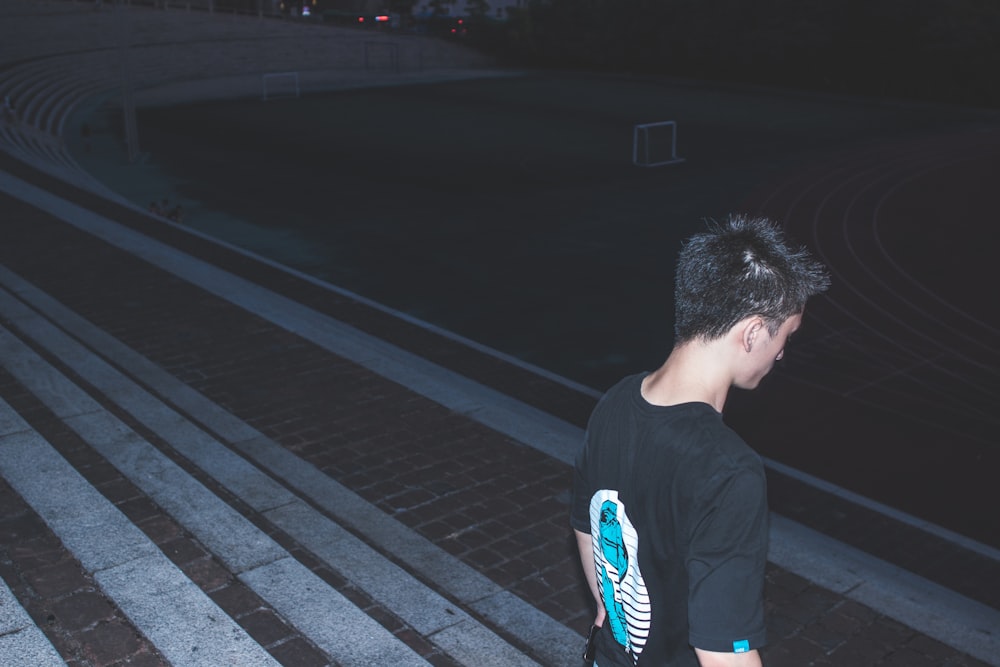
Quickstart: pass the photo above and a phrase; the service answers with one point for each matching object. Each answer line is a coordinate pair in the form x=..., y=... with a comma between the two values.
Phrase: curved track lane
x=893, y=392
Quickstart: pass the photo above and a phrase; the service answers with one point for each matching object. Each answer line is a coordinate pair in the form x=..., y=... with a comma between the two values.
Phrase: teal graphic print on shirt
x=623, y=590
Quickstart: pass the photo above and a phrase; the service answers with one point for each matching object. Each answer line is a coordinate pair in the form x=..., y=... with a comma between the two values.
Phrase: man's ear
x=752, y=329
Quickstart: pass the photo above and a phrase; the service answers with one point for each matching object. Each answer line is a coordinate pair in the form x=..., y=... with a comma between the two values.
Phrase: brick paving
x=494, y=503
x=79, y=620
x=60, y=596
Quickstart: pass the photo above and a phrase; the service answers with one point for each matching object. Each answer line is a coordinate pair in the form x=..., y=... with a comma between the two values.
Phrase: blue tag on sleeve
x=741, y=646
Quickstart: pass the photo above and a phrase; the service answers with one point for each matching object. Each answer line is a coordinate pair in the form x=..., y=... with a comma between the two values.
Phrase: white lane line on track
x=860, y=175
x=887, y=173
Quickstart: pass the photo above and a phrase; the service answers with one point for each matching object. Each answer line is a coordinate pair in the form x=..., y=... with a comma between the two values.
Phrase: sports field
x=507, y=210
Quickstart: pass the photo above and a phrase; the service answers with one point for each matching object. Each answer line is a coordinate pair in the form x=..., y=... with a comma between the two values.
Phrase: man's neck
x=691, y=374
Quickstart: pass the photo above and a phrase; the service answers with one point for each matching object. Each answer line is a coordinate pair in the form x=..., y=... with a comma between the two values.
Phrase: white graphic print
x=616, y=551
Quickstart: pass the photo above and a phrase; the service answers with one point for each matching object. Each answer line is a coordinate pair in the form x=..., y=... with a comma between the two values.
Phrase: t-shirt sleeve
x=579, y=517
x=584, y=473
x=726, y=565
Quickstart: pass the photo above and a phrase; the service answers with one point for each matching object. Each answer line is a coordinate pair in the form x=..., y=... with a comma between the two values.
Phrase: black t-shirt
x=677, y=505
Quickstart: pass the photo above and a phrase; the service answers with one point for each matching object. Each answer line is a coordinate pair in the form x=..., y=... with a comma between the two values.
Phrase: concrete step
x=21, y=641
x=908, y=599
x=453, y=631
x=162, y=603
x=100, y=50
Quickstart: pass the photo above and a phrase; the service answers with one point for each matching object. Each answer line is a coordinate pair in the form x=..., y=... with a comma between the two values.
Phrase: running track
x=893, y=393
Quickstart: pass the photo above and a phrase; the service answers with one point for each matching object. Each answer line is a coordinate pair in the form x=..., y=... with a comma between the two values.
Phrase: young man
x=669, y=505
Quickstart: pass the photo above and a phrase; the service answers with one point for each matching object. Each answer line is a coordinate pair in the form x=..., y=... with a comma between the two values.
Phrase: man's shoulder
x=618, y=395
x=711, y=448
x=626, y=386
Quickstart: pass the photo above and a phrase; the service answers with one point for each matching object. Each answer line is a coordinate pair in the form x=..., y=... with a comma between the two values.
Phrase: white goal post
x=655, y=144
x=279, y=84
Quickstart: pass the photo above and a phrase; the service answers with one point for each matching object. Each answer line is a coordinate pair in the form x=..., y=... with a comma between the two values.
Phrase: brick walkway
x=496, y=504
x=437, y=463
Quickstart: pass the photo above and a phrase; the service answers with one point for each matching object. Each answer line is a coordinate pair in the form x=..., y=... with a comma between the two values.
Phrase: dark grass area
x=506, y=210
